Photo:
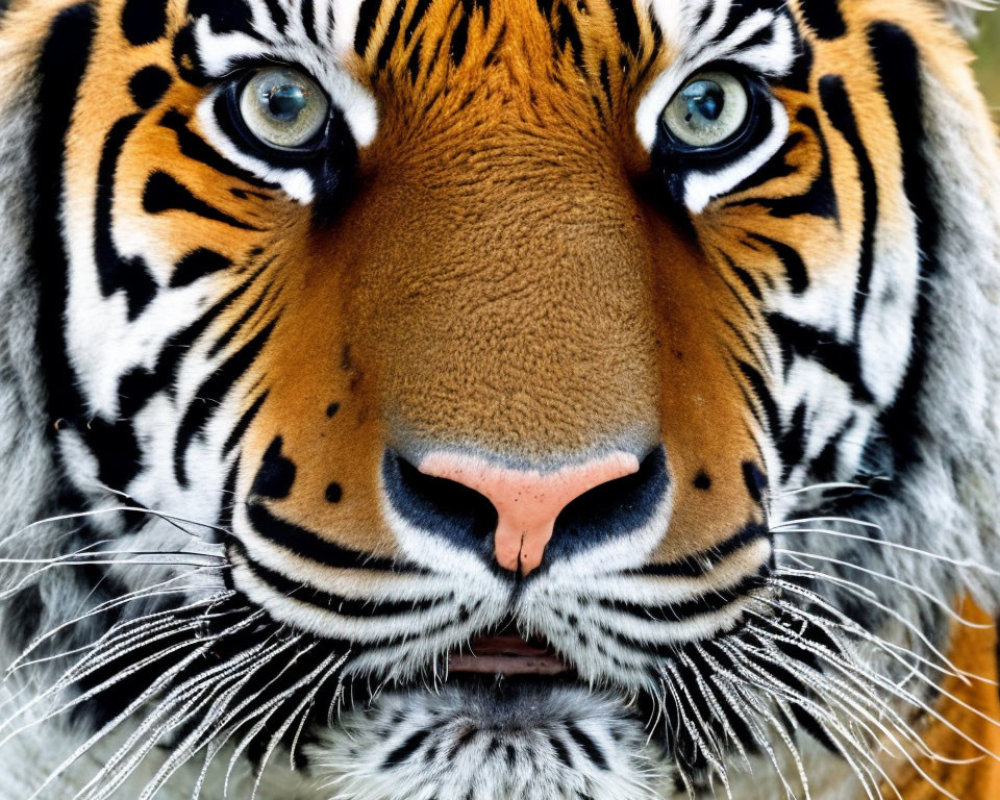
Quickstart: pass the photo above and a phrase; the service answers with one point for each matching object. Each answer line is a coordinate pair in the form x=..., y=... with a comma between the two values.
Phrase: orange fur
x=973, y=651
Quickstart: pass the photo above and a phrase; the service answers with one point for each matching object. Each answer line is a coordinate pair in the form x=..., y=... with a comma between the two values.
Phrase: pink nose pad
x=527, y=502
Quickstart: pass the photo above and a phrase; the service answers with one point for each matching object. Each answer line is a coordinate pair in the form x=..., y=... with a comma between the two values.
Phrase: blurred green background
x=988, y=65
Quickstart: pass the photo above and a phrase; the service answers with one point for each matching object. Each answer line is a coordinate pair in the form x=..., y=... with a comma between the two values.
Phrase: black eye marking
x=117, y=272
x=163, y=193
x=334, y=493
x=148, y=86
x=702, y=481
x=276, y=475
x=332, y=409
x=144, y=21
x=824, y=17
x=186, y=59
x=755, y=480
x=197, y=264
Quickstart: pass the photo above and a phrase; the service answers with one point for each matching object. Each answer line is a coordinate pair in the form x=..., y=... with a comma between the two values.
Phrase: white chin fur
x=485, y=744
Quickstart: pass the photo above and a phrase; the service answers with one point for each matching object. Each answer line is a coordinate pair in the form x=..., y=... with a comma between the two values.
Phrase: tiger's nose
x=527, y=502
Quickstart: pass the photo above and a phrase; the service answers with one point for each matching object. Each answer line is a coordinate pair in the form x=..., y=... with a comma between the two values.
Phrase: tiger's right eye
x=284, y=108
x=710, y=111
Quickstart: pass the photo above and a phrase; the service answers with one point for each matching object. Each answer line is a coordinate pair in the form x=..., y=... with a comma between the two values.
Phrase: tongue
x=506, y=655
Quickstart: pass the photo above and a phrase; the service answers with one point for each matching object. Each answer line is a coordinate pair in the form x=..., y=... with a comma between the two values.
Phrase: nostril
x=518, y=515
x=613, y=509
x=447, y=507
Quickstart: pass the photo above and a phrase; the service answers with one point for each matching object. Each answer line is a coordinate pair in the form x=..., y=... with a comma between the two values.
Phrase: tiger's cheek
x=318, y=420
x=712, y=361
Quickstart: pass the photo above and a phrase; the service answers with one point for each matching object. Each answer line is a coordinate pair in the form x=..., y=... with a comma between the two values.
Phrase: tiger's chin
x=491, y=738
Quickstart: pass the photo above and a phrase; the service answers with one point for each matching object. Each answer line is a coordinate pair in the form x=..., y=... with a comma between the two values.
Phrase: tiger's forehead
x=609, y=53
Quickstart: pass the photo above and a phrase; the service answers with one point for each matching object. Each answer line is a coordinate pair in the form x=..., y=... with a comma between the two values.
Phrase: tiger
x=497, y=400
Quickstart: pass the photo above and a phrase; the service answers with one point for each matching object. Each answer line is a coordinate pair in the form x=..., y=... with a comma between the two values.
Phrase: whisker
x=810, y=520
x=98, y=512
x=964, y=564
x=331, y=664
x=823, y=487
x=854, y=628
x=915, y=701
x=937, y=601
x=850, y=587
x=108, y=605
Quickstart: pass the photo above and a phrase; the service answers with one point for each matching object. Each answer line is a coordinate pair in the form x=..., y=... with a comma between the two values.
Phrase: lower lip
x=506, y=655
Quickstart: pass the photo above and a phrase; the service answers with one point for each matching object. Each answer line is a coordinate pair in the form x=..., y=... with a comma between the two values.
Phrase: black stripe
x=755, y=480
x=277, y=14
x=824, y=466
x=837, y=106
x=605, y=76
x=197, y=149
x=197, y=264
x=163, y=193
x=307, y=544
x=115, y=272
x=562, y=753
x=385, y=49
x=700, y=565
x=367, y=17
x=275, y=475
x=309, y=20
x=137, y=387
x=209, y=398
x=356, y=607
x=144, y=21
x=245, y=421
x=225, y=16
x=795, y=268
x=777, y=167
x=898, y=63
x=712, y=601
x=230, y=333
x=569, y=36
x=792, y=444
x=413, y=63
x=744, y=277
x=821, y=197
x=843, y=360
x=762, y=393
x=405, y=750
x=627, y=23
x=588, y=745
x=419, y=11
x=824, y=17
x=61, y=68
x=459, y=40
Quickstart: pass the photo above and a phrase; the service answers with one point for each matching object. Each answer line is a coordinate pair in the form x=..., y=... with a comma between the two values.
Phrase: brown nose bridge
x=504, y=320
x=527, y=502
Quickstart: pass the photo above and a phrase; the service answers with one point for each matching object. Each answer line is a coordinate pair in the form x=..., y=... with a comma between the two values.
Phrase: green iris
x=284, y=107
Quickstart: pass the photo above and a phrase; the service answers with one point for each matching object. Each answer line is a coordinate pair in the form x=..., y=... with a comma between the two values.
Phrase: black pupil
x=704, y=99
x=286, y=102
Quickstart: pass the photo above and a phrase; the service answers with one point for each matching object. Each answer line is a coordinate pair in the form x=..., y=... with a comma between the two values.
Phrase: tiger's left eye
x=710, y=110
x=283, y=108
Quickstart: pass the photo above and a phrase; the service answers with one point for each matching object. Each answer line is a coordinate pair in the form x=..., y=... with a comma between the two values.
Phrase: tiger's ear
x=963, y=13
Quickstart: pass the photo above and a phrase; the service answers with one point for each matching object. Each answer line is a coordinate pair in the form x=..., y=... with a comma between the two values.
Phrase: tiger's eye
x=708, y=111
x=705, y=101
x=283, y=107
x=286, y=103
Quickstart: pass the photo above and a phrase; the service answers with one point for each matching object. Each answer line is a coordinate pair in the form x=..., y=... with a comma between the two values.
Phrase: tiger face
x=505, y=399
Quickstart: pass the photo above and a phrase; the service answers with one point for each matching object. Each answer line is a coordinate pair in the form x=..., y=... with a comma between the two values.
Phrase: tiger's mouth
x=507, y=653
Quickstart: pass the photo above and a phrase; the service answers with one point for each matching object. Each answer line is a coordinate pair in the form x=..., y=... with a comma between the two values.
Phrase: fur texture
x=813, y=587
